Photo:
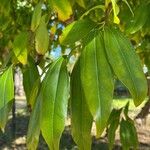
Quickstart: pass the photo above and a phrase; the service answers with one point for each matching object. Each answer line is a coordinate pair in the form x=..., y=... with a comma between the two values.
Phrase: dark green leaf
x=81, y=119
x=128, y=135
x=55, y=93
x=6, y=87
x=125, y=63
x=76, y=31
x=97, y=81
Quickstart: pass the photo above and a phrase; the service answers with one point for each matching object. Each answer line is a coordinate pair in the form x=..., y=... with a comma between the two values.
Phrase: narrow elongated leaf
x=125, y=63
x=4, y=113
x=34, y=125
x=76, y=31
x=20, y=47
x=139, y=19
x=128, y=135
x=36, y=16
x=55, y=93
x=81, y=3
x=81, y=120
x=113, y=122
x=30, y=77
x=97, y=81
x=63, y=8
x=6, y=87
x=42, y=37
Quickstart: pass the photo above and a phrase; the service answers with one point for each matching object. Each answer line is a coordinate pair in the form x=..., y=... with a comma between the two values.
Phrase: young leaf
x=30, y=77
x=76, y=31
x=55, y=93
x=20, y=47
x=125, y=63
x=63, y=8
x=36, y=16
x=4, y=113
x=81, y=119
x=128, y=135
x=42, y=37
x=34, y=125
x=6, y=87
x=139, y=19
x=97, y=82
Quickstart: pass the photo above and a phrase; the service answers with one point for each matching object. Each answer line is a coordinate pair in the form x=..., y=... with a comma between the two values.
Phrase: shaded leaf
x=36, y=16
x=42, y=37
x=20, y=47
x=125, y=63
x=81, y=119
x=95, y=81
x=139, y=19
x=6, y=87
x=76, y=31
x=128, y=135
x=34, y=125
x=55, y=93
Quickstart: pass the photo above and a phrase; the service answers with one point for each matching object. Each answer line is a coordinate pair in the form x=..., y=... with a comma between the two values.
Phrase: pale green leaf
x=34, y=125
x=42, y=37
x=125, y=63
x=36, y=16
x=20, y=47
x=63, y=9
x=116, y=11
x=81, y=119
x=76, y=31
x=55, y=94
x=6, y=87
x=97, y=81
x=81, y=3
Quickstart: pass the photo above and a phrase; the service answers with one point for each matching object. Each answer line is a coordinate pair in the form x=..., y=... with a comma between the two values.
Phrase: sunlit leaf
x=55, y=93
x=81, y=119
x=125, y=63
x=76, y=31
x=20, y=47
x=6, y=87
x=97, y=82
x=36, y=16
x=42, y=37
x=63, y=8
x=81, y=3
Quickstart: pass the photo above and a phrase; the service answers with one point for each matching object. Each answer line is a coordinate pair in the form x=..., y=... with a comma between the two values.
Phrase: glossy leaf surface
x=55, y=94
x=81, y=118
x=125, y=63
x=97, y=82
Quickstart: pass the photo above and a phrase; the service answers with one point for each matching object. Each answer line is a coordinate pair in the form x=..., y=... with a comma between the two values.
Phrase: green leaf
x=42, y=37
x=4, y=114
x=95, y=81
x=63, y=9
x=55, y=94
x=20, y=47
x=81, y=3
x=6, y=87
x=31, y=81
x=81, y=119
x=125, y=63
x=82, y=27
x=128, y=135
x=36, y=16
x=139, y=19
x=113, y=122
x=116, y=11
x=34, y=125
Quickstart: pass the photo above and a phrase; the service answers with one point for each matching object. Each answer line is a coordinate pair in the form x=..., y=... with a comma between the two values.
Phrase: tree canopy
x=98, y=42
